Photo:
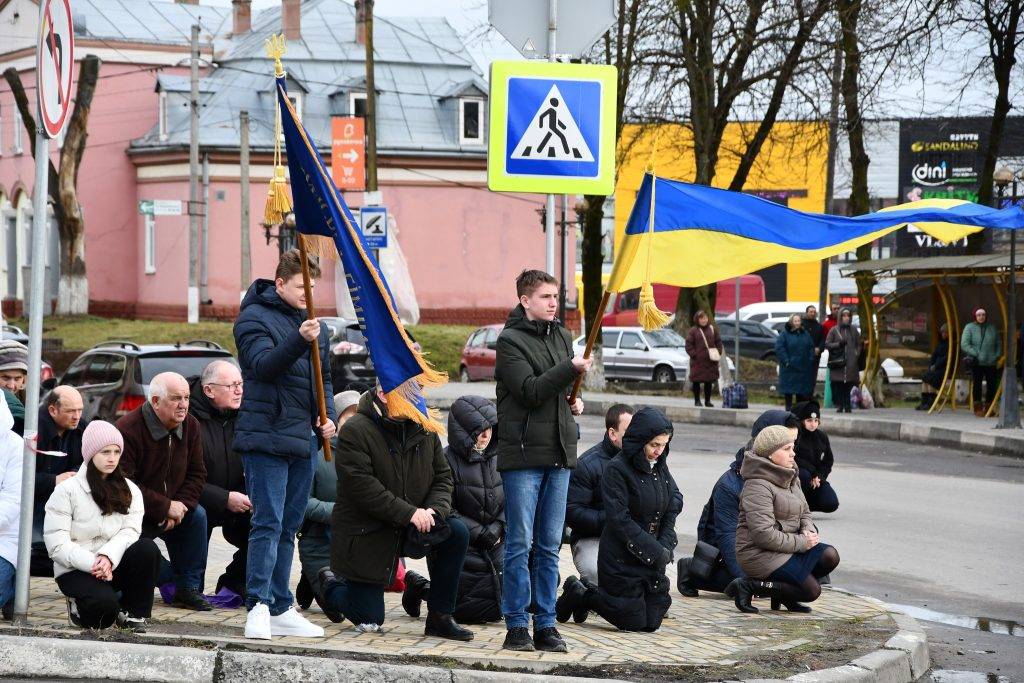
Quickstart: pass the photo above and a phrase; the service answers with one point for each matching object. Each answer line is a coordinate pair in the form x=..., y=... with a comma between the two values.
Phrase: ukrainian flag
x=692, y=235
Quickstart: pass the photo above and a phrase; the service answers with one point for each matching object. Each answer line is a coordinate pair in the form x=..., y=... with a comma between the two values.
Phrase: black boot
x=572, y=601
x=416, y=587
x=444, y=626
x=696, y=398
x=683, y=579
x=743, y=590
x=327, y=581
x=191, y=598
x=791, y=606
x=304, y=593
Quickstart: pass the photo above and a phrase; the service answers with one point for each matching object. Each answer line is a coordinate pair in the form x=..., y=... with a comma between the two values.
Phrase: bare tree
x=73, y=290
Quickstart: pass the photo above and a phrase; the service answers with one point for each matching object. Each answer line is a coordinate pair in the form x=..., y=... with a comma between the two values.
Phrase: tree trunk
x=593, y=289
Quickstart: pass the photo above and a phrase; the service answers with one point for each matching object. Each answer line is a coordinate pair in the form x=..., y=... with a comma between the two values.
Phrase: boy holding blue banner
x=536, y=445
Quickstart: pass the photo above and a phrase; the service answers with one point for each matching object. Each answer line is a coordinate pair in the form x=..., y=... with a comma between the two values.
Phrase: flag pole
x=595, y=329
x=315, y=344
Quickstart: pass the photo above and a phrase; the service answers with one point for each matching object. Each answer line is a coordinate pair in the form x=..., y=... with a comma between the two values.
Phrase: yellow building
x=789, y=170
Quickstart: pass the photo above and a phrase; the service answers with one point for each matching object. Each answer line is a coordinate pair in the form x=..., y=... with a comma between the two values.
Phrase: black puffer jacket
x=641, y=505
x=224, y=471
x=584, y=509
x=814, y=452
x=479, y=499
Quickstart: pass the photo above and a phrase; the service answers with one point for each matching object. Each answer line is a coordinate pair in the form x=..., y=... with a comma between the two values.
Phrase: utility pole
x=830, y=173
x=549, y=227
x=1009, y=408
x=193, y=183
x=204, y=265
x=243, y=161
x=371, y=102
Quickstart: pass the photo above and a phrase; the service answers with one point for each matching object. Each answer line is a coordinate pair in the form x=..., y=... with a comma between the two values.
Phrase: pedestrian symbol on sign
x=553, y=133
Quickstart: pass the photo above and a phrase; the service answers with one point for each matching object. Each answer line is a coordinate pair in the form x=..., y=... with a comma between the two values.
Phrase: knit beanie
x=772, y=439
x=344, y=400
x=807, y=410
x=13, y=355
x=97, y=436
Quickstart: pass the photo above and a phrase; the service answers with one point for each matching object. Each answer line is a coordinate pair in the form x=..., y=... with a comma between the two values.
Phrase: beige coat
x=773, y=516
x=76, y=531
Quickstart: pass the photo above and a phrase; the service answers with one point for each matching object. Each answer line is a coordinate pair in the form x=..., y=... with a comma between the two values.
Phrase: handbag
x=713, y=354
x=703, y=562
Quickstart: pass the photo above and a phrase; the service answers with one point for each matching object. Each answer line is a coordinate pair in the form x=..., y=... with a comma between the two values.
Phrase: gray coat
x=844, y=339
x=773, y=516
x=315, y=536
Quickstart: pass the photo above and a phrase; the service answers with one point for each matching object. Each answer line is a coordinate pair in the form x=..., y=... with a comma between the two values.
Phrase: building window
x=471, y=128
x=357, y=104
x=18, y=148
x=163, y=115
x=150, y=243
x=296, y=100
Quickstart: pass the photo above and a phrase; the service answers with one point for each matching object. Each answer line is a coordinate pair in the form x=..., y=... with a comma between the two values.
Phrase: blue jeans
x=534, y=517
x=279, y=490
x=187, y=546
x=7, y=572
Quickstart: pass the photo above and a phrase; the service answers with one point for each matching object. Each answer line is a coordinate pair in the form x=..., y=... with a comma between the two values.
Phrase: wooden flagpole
x=595, y=330
x=315, y=344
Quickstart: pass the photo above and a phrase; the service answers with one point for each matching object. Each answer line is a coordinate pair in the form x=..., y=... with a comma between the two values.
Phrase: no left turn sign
x=55, y=59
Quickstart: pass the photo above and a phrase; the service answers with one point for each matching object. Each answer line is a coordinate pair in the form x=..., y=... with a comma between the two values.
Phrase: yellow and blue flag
x=692, y=235
x=321, y=211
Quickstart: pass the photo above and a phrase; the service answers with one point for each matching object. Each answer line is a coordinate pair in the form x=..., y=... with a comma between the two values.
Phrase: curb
x=885, y=430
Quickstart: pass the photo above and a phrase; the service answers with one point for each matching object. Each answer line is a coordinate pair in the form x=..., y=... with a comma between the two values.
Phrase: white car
x=774, y=310
x=633, y=353
x=891, y=370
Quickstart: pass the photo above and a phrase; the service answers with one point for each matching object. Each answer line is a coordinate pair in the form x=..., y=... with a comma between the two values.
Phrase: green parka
x=386, y=470
x=983, y=342
x=534, y=375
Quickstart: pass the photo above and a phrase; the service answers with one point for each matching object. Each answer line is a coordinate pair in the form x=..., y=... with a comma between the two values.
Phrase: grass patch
x=443, y=345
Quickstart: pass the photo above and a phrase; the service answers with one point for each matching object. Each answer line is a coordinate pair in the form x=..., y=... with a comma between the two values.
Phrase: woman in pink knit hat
x=92, y=527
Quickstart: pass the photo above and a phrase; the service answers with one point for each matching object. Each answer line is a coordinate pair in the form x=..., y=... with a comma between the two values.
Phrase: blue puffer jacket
x=794, y=349
x=279, y=407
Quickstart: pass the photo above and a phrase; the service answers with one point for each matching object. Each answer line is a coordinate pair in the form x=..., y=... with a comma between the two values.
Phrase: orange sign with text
x=348, y=149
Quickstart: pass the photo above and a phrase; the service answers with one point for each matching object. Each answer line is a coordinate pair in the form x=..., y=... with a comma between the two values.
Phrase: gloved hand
x=664, y=558
x=487, y=540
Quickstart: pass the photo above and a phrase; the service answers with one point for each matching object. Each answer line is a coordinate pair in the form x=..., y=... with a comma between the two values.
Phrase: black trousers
x=640, y=609
x=988, y=373
x=235, y=528
x=134, y=579
x=841, y=394
x=707, y=390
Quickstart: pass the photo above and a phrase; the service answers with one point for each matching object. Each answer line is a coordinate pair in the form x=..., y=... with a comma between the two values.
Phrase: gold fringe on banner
x=321, y=246
x=279, y=204
x=648, y=314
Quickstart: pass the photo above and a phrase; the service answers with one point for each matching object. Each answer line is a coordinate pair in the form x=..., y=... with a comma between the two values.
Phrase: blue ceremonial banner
x=321, y=211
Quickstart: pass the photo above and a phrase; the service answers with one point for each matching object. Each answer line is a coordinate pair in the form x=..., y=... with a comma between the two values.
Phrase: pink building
x=464, y=244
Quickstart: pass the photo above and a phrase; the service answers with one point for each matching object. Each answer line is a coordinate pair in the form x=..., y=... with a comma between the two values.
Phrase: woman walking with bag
x=843, y=344
x=704, y=346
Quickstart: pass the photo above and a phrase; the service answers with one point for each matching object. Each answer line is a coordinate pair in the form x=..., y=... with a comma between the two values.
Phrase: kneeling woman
x=641, y=503
x=92, y=526
x=776, y=543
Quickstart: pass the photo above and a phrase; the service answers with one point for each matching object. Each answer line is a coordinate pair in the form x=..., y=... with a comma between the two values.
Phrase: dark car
x=113, y=377
x=479, y=353
x=350, y=359
x=756, y=340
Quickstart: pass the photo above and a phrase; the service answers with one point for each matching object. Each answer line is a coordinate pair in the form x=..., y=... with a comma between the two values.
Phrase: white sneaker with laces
x=367, y=628
x=291, y=623
x=257, y=624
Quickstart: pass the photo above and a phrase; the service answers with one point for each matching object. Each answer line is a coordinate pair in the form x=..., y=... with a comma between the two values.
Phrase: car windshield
x=665, y=338
x=185, y=363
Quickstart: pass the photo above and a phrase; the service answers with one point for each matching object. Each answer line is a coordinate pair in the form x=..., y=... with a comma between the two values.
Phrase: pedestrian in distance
x=11, y=454
x=163, y=456
x=584, y=511
x=798, y=366
x=536, y=448
x=982, y=348
x=478, y=499
x=817, y=331
x=394, y=499
x=13, y=375
x=315, y=534
x=776, y=543
x=60, y=431
x=641, y=502
x=717, y=525
x=103, y=565
x=279, y=433
x=704, y=346
x=843, y=344
x=215, y=397
x=814, y=459
x=931, y=380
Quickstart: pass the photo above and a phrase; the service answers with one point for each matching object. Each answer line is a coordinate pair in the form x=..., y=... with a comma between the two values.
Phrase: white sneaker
x=367, y=628
x=291, y=623
x=257, y=624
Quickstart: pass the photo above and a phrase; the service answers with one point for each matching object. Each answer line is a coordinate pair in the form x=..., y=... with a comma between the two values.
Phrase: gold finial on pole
x=275, y=48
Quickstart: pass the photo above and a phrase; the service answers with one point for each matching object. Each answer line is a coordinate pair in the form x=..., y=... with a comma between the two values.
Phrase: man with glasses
x=163, y=455
x=216, y=396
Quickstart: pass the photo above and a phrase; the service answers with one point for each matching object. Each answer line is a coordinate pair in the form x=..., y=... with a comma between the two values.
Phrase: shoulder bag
x=713, y=354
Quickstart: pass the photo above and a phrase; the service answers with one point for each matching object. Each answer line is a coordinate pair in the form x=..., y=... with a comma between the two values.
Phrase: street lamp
x=1009, y=409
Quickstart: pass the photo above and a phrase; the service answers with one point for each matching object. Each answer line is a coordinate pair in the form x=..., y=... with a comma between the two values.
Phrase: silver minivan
x=632, y=353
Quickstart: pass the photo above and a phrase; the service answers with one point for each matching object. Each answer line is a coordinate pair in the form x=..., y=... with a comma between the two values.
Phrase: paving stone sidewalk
x=705, y=631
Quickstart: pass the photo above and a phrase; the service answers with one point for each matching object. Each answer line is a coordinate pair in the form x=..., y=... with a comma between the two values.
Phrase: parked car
x=18, y=335
x=350, y=358
x=113, y=377
x=756, y=340
x=890, y=369
x=774, y=310
x=478, y=354
x=632, y=353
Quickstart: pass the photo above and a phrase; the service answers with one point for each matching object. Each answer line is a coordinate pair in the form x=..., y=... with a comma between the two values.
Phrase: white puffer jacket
x=76, y=531
x=11, y=452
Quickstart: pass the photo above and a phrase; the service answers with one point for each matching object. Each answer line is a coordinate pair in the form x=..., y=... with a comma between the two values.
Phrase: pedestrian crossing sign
x=552, y=128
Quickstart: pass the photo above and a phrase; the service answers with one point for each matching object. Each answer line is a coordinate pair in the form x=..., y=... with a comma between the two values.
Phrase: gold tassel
x=648, y=314
x=278, y=204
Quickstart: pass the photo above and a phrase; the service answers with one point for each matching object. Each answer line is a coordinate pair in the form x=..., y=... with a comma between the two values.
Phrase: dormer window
x=357, y=104
x=163, y=115
x=471, y=115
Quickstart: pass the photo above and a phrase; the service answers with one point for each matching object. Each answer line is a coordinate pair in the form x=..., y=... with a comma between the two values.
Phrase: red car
x=478, y=354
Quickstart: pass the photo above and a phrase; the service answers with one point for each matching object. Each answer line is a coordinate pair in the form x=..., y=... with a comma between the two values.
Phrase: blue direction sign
x=373, y=223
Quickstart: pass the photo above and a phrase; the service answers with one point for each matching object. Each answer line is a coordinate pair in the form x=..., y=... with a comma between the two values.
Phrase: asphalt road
x=920, y=526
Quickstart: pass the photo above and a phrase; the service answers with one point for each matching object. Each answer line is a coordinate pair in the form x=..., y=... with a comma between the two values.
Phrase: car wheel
x=884, y=374
x=464, y=375
x=663, y=374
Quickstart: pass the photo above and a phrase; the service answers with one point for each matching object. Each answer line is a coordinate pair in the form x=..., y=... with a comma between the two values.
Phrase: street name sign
x=55, y=59
x=373, y=223
x=160, y=207
x=552, y=128
x=348, y=152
